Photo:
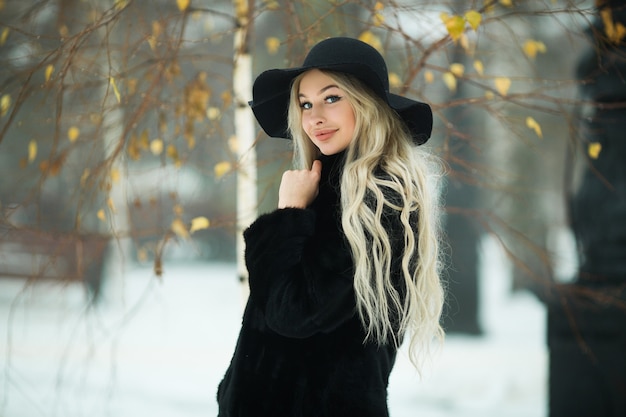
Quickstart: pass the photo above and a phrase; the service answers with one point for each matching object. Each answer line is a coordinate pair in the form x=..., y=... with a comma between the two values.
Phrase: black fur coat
x=301, y=348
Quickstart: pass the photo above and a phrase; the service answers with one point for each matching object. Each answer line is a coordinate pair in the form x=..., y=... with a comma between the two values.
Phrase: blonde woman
x=348, y=264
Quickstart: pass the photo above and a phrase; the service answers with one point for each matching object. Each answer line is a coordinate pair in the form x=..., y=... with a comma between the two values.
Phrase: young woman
x=349, y=262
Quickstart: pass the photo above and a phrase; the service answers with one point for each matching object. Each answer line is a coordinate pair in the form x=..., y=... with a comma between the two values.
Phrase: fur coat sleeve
x=300, y=272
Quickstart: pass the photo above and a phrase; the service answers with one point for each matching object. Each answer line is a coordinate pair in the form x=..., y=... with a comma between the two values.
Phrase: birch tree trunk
x=244, y=132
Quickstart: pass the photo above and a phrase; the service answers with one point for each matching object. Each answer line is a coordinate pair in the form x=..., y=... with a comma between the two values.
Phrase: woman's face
x=327, y=115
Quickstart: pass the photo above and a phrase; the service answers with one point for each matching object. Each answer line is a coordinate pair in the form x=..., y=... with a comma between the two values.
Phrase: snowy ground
x=163, y=349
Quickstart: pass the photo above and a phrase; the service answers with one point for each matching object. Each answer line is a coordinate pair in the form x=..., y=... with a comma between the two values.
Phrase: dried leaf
x=84, y=177
x=4, y=36
x=478, y=66
x=594, y=149
x=157, y=28
x=272, y=44
x=111, y=205
x=115, y=175
x=172, y=152
x=199, y=223
x=272, y=4
x=450, y=80
x=379, y=6
x=502, y=85
x=179, y=228
x=455, y=25
x=532, y=47
x=532, y=124
x=378, y=19
x=221, y=168
x=49, y=71
x=120, y=4
x=473, y=18
x=213, y=113
x=156, y=146
x=32, y=151
x=227, y=98
x=457, y=69
x=5, y=104
x=115, y=90
x=233, y=144
x=182, y=5
x=372, y=40
x=394, y=80
x=73, y=133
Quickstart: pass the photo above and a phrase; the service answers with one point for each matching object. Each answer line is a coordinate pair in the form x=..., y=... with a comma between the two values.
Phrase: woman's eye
x=332, y=99
x=306, y=105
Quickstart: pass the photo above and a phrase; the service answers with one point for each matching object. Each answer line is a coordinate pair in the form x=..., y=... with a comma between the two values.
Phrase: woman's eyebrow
x=328, y=87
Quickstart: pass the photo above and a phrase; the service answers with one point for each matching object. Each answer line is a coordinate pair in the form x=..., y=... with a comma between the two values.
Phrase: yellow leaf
x=4, y=36
x=450, y=80
x=152, y=42
x=502, y=85
x=178, y=210
x=457, y=69
x=156, y=146
x=478, y=66
x=111, y=204
x=227, y=98
x=142, y=254
x=84, y=177
x=272, y=44
x=101, y=215
x=179, y=228
x=394, y=80
x=371, y=39
x=182, y=5
x=473, y=18
x=507, y=3
x=64, y=31
x=73, y=133
x=221, y=168
x=5, y=104
x=120, y=4
x=272, y=4
x=115, y=175
x=49, y=71
x=455, y=25
x=157, y=28
x=32, y=151
x=379, y=6
x=233, y=144
x=532, y=47
x=378, y=19
x=532, y=124
x=199, y=223
x=429, y=77
x=115, y=90
x=213, y=113
x=465, y=43
x=489, y=95
x=594, y=150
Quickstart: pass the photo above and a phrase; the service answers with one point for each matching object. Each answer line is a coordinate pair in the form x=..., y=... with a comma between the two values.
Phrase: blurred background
x=130, y=164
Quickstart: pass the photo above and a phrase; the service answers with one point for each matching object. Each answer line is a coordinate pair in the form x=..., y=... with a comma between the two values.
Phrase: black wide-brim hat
x=271, y=89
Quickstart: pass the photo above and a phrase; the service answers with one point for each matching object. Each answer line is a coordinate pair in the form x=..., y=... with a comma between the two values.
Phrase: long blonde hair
x=382, y=156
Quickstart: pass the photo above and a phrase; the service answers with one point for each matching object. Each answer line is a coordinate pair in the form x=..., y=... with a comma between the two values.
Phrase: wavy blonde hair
x=383, y=156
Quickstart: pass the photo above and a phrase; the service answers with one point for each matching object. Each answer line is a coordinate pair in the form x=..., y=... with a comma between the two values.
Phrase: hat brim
x=271, y=91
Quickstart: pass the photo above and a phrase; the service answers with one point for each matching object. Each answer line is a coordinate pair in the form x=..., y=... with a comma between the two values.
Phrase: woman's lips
x=324, y=134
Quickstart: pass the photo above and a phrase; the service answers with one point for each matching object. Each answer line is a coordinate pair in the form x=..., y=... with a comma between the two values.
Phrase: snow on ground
x=163, y=349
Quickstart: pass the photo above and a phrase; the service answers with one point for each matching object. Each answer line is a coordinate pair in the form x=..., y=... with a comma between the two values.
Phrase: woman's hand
x=298, y=189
